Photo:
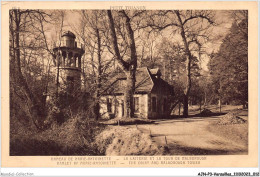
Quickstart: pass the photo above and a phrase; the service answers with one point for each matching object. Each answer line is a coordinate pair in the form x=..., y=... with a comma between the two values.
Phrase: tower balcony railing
x=70, y=63
x=70, y=44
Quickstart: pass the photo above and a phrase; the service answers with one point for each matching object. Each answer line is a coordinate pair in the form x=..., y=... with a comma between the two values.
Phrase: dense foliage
x=229, y=66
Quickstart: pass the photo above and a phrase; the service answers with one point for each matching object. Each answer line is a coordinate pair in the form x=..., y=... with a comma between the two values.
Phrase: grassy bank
x=118, y=140
x=73, y=137
x=237, y=132
x=233, y=126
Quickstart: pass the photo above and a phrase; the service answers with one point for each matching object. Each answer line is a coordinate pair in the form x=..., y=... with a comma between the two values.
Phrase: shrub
x=73, y=137
x=231, y=118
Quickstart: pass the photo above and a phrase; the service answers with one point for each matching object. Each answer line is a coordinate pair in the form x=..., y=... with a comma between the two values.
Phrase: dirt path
x=190, y=136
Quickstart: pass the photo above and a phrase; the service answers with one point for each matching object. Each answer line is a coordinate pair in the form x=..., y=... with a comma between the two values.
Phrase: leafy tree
x=29, y=73
x=229, y=66
x=193, y=28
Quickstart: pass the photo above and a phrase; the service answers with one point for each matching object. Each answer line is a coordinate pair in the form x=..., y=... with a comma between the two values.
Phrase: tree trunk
x=58, y=75
x=220, y=95
x=188, y=67
x=98, y=80
x=205, y=98
x=179, y=108
x=185, y=106
x=220, y=104
x=130, y=89
x=128, y=95
x=200, y=106
x=36, y=109
x=128, y=67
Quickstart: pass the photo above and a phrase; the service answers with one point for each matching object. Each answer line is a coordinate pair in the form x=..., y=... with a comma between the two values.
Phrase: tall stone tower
x=67, y=59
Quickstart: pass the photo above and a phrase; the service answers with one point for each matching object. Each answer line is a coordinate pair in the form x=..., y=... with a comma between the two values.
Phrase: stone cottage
x=152, y=97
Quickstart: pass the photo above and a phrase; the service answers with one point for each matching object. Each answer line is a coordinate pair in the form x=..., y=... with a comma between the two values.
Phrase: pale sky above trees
x=223, y=19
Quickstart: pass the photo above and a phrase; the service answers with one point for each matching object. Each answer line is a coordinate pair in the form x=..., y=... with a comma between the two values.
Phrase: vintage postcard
x=129, y=84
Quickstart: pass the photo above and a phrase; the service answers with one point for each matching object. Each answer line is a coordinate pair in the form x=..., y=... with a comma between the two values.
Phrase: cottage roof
x=155, y=71
x=146, y=81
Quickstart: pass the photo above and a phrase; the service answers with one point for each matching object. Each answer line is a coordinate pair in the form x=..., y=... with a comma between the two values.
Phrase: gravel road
x=190, y=136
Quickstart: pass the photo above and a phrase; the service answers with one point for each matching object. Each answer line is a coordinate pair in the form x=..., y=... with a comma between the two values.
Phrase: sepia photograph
x=122, y=82
x=129, y=84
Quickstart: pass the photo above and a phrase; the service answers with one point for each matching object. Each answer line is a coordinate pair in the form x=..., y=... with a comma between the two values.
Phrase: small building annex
x=152, y=97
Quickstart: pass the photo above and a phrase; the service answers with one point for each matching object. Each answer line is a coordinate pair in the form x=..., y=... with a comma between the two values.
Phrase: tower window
x=70, y=84
x=70, y=79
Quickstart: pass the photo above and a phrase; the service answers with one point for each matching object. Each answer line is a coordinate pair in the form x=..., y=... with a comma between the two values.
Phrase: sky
x=224, y=21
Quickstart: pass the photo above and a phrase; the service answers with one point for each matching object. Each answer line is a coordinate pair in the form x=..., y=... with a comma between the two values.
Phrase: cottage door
x=122, y=108
x=159, y=108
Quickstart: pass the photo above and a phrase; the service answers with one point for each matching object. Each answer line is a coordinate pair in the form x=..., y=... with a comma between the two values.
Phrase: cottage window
x=154, y=104
x=136, y=104
x=121, y=83
x=109, y=105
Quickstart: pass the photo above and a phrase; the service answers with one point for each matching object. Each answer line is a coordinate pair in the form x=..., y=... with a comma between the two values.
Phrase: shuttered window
x=109, y=105
x=136, y=104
